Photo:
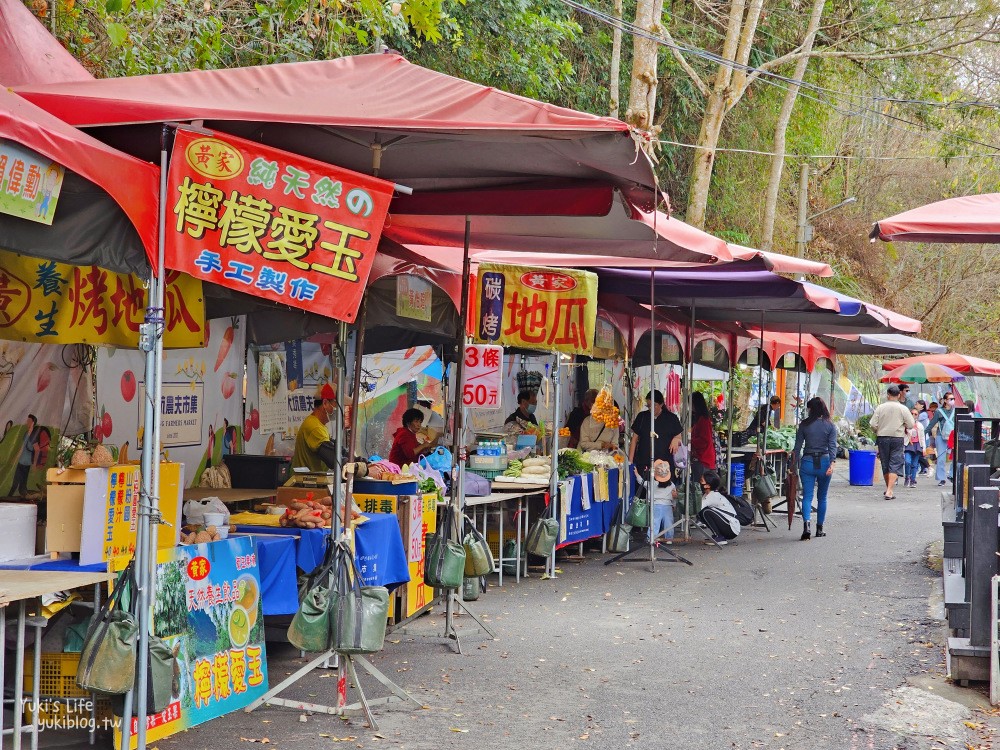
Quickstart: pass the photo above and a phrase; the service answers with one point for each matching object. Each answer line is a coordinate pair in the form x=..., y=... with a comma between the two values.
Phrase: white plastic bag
x=195, y=510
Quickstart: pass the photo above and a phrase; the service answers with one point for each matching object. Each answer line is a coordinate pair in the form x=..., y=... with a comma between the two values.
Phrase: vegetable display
x=571, y=462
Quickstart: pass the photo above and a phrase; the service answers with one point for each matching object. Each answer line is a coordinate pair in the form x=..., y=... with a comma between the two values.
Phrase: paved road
x=769, y=642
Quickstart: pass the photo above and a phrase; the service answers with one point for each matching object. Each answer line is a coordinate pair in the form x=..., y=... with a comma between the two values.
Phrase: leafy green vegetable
x=571, y=462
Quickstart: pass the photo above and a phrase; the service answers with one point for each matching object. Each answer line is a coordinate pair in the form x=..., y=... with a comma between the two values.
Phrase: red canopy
x=423, y=129
x=781, y=263
x=957, y=362
x=90, y=235
x=971, y=219
x=29, y=54
x=622, y=237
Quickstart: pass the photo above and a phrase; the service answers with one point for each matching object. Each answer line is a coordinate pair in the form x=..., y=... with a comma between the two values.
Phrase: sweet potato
x=327, y=501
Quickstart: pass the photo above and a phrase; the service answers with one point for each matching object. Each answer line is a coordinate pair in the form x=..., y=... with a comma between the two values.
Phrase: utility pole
x=803, y=231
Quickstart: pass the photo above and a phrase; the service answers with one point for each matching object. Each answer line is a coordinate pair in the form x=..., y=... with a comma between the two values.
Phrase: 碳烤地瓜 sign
x=272, y=224
x=546, y=309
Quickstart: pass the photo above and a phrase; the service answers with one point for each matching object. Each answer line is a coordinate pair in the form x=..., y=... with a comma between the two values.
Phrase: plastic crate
x=493, y=539
x=487, y=473
x=58, y=680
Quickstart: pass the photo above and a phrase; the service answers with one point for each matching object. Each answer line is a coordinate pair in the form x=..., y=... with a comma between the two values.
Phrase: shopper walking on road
x=913, y=450
x=815, y=453
x=890, y=421
x=941, y=426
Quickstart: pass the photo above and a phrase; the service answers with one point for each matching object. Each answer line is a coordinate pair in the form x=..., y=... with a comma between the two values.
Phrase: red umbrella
x=957, y=362
x=973, y=218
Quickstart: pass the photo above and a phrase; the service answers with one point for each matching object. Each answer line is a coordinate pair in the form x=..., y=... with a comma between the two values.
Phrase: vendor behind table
x=409, y=442
x=522, y=420
x=314, y=449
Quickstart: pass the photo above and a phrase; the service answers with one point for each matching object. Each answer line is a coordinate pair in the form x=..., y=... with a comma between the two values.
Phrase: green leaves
x=117, y=33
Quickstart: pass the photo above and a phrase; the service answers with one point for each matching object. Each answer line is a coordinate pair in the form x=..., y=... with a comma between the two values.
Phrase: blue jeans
x=943, y=464
x=912, y=465
x=663, y=521
x=814, y=479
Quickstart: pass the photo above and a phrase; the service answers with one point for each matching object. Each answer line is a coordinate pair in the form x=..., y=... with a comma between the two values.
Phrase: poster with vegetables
x=201, y=404
x=207, y=607
x=272, y=391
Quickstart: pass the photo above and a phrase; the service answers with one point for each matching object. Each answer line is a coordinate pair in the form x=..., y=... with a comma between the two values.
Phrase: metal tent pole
x=729, y=438
x=554, y=475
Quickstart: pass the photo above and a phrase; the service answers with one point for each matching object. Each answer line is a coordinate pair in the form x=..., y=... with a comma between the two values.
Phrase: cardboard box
x=64, y=498
x=287, y=495
x=17, y=530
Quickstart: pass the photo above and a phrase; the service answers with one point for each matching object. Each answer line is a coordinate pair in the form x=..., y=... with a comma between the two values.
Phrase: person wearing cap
x=406, y=446
x=891, y=420
x=313, y=447
x=667, y=428
x=662, y=494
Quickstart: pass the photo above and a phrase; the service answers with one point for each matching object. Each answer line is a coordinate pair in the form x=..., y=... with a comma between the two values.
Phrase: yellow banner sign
x=45, y=302
x=546, y=309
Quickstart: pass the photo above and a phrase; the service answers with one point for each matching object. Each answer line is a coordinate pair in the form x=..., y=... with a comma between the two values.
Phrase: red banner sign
x=273, y=224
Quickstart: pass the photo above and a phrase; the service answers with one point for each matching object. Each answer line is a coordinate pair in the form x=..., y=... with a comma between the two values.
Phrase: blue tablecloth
x=278, y=576
x=587, y=524
x=380, y=553
x=72, y=566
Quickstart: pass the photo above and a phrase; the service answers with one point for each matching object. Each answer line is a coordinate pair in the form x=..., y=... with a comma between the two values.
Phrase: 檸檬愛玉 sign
x=272, y=224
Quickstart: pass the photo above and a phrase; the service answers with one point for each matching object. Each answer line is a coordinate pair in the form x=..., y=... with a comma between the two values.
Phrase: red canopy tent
x=969, y=219
x=29, y=54
x=374, y=114
x=957, y=362
x=107, y=210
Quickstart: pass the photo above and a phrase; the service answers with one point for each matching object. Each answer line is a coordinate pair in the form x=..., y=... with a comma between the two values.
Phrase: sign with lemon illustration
x=207, y=607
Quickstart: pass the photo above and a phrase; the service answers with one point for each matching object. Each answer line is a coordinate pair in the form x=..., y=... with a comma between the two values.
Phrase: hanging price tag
x=482, y=379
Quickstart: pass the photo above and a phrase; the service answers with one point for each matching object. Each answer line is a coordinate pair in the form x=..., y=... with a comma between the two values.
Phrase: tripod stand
x=452, y=603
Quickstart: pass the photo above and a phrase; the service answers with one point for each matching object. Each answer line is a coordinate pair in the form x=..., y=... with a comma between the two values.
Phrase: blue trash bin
x=737, y=479
x=861, y=468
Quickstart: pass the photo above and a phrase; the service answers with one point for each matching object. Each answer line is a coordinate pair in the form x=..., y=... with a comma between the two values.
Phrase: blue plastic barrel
x=861, y=468
x=738, y=478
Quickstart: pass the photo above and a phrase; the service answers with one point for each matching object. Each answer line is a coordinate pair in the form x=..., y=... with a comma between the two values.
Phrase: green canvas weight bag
x=478, y=556
x=543, y=534
x=359, y=613
x=161, y=670
x=444, y=566
x=107, y=662
x=619, y=534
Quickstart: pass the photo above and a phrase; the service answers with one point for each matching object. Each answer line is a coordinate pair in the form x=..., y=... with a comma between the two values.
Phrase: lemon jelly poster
x=207, y=607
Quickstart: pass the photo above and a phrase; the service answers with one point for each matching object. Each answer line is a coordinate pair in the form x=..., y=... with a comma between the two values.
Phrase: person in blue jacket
x=815, y=454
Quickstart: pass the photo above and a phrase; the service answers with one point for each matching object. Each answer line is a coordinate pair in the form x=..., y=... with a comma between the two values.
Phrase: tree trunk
x=642, y=93
x=781, y=128
x=704, y=159
x=616, y=62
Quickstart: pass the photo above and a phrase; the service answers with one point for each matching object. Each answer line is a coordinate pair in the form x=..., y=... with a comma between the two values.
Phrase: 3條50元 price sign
x=482, y=379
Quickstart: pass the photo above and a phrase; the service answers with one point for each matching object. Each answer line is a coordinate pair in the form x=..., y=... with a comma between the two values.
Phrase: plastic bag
x=195, y=510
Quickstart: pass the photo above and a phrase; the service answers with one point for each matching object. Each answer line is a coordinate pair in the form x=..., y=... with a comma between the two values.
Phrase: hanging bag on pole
x=358, y=613
x=478, y=556
x=310, y=628
x=992, y=448
x=107, y=662
x=764, y=487
x=542, y=536
x=444, y=567
x=619, y=533
x=638, y=511
x=159, y=680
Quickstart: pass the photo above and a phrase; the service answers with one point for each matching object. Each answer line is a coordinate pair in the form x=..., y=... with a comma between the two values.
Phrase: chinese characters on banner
x=272, y=224
x=482, y=378
x=110, y=511
x=413, y=297
x=55, y=303
x=537, y=308
x=29, y=183
x=208, y=607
